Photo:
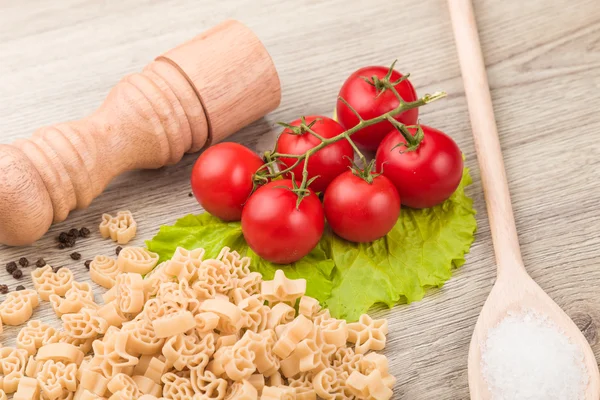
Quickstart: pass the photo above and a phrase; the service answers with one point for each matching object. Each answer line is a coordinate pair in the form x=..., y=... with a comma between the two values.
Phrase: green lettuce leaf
x=420, y=252
x=349, y=278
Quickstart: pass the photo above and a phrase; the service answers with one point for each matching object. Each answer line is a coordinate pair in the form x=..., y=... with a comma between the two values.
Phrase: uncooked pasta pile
x=190, y=329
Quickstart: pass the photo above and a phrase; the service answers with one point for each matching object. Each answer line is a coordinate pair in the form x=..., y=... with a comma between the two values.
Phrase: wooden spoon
x=514, y=288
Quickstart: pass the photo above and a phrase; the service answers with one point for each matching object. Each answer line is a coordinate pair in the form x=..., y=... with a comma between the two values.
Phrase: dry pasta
x=194, y=328
x=120, y=229
x=103, y=271
x=136, y=259
x=48, y=282
x=18, y=307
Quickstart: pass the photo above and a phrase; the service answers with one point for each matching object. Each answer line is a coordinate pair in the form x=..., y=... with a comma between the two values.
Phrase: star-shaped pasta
x=368, y=334
x=282, y=289
x=370, y=386
x=185, y=264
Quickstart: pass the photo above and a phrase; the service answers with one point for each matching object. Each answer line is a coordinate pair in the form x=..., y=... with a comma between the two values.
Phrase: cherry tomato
x=359, y=211
x=326, y=163
x=370, y=102
x=276, y=229
x=424, y=177
x=222, y=179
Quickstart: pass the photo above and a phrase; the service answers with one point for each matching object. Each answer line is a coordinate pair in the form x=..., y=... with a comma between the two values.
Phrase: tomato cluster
x=283, y=217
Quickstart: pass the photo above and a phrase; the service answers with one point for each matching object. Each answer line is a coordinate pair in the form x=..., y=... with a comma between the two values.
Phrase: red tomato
x=369, y=102
x=424, y=177
x=222, y=179
x=326, y=163
x=359, y=211
x=278, y=231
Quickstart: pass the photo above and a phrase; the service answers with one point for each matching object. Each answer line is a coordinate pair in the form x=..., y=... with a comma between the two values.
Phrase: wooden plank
x=60, y=59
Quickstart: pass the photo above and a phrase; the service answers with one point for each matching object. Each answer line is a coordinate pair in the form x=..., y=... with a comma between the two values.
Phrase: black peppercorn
x=62, y=237
x=61, y=246
x=84, y=232
x=71, y=240
x=73, y=232
x=3, y=289
x=56, y=269
x=118, y=249
x=23, y=262
x=20, y=287
x=11, y=267
x=76, y=256
x=87, y=264
x=17, y=274
x=40, y=263
x=190, y=194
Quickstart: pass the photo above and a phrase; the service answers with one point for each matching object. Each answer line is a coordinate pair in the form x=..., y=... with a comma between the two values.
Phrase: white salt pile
x=527, y=357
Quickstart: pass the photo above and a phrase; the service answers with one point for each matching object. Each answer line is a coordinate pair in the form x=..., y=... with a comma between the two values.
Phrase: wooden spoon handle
x=485, y=134
x=202, y=91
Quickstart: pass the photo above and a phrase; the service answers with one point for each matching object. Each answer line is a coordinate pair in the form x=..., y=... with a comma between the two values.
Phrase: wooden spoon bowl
x=514, y=289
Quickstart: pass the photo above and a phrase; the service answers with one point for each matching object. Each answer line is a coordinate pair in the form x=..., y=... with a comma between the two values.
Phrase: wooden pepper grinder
x=194, y=95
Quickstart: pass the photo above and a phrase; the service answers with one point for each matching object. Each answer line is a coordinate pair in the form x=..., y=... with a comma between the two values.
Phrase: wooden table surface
x=59, y=59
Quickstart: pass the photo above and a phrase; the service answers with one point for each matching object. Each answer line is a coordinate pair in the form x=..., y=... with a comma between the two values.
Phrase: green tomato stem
x=363, y=123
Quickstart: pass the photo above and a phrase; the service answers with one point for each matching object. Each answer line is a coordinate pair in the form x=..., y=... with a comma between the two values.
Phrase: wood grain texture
x=60, y=59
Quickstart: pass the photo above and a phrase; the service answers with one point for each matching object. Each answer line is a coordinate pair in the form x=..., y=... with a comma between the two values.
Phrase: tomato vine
x=270, y=170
